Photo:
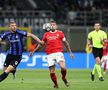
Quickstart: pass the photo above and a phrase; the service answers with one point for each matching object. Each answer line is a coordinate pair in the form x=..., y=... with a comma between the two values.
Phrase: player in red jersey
x=105, y=55
x=53, y=40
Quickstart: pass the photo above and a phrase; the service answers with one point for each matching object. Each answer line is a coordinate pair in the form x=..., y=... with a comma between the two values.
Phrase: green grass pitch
x=38, y=79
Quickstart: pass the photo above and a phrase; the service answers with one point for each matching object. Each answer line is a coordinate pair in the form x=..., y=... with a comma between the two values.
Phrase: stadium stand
x=70, y=15
x=72, y=12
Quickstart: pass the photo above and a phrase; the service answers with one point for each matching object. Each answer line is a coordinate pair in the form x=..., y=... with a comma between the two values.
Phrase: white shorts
x=55, y=57
x=105, y=57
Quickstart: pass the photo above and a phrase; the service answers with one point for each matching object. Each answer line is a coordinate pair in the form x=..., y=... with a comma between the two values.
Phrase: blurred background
x=74, y=17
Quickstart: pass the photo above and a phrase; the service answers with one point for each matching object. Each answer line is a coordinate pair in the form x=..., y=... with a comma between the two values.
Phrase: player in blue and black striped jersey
x=15, y=37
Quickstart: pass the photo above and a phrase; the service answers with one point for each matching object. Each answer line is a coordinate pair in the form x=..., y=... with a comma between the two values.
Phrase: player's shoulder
x=102, y=31
x=47, y=33
x=59, y=31
x=19, y=31
x=92, y=32
x=6, y=33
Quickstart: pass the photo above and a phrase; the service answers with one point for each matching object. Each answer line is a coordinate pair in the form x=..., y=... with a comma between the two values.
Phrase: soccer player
x=15, y=37
x=95, y=41
x=105, y=55
x=54, y=49
x=2, y=58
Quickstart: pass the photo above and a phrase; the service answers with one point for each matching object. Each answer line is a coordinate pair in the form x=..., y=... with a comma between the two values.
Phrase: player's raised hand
x=90, y=47
x=31, y=53
x=71, y=55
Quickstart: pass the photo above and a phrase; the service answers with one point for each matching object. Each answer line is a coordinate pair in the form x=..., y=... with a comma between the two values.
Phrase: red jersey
x=53, y=41
x=105, y=49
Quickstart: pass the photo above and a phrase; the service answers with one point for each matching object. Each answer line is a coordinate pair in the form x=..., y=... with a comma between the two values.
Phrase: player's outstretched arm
x=89, y=43
x=34, y=37
x=66, y=44
x=42, y=43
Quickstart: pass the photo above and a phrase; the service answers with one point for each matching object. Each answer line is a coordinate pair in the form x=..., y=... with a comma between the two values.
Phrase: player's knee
x=52, y=69
x=63, y=68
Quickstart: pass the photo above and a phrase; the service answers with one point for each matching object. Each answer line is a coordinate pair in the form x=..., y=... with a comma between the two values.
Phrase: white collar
x=54, y=31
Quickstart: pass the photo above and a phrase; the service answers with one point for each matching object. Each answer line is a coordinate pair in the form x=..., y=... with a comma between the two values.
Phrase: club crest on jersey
x=24, y=33
x=57, y=35
x=16, y=36
x=16, y=62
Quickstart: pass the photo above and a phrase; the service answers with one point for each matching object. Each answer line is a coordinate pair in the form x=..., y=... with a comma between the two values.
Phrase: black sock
x=3, y=76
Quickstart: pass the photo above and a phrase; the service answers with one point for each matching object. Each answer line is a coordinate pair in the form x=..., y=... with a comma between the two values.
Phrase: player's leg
x=99, y=65
x=12, y=66
x=13, y=72
x=63, y=72
x=53, y=76
x=105, y=58
x=15, y=63
x=6, y=64
x=97, y=55
x=105, y=64
x=98, y=68
x=51, y=64
x=6, y=72
x=94, y=68
x=61, y=61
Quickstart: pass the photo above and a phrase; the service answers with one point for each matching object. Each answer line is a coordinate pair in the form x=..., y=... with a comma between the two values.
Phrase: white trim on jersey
x=64, y=39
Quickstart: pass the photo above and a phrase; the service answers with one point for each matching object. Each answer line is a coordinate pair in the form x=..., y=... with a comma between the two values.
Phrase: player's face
x=53, y=26
x=13, y=27
x=97, y=26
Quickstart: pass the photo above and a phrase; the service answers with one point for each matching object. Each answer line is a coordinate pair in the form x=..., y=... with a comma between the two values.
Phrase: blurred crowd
x=54, y=5
x=63, y=10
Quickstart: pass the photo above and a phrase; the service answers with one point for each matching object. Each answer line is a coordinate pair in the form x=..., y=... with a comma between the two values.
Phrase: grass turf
x=38, y=79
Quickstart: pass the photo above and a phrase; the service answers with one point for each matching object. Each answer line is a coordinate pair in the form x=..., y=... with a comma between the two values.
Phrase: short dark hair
x=12, y=21
x=52, y=21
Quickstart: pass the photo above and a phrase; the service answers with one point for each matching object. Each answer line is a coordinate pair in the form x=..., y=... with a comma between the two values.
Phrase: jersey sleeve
x=105, y=35
x=4, y=36
x=62, y=36
x=44, y=37
x=24, y=33
x=89, y=36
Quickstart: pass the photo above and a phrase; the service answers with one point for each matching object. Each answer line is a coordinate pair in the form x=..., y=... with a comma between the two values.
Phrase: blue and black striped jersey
x=15, y=40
